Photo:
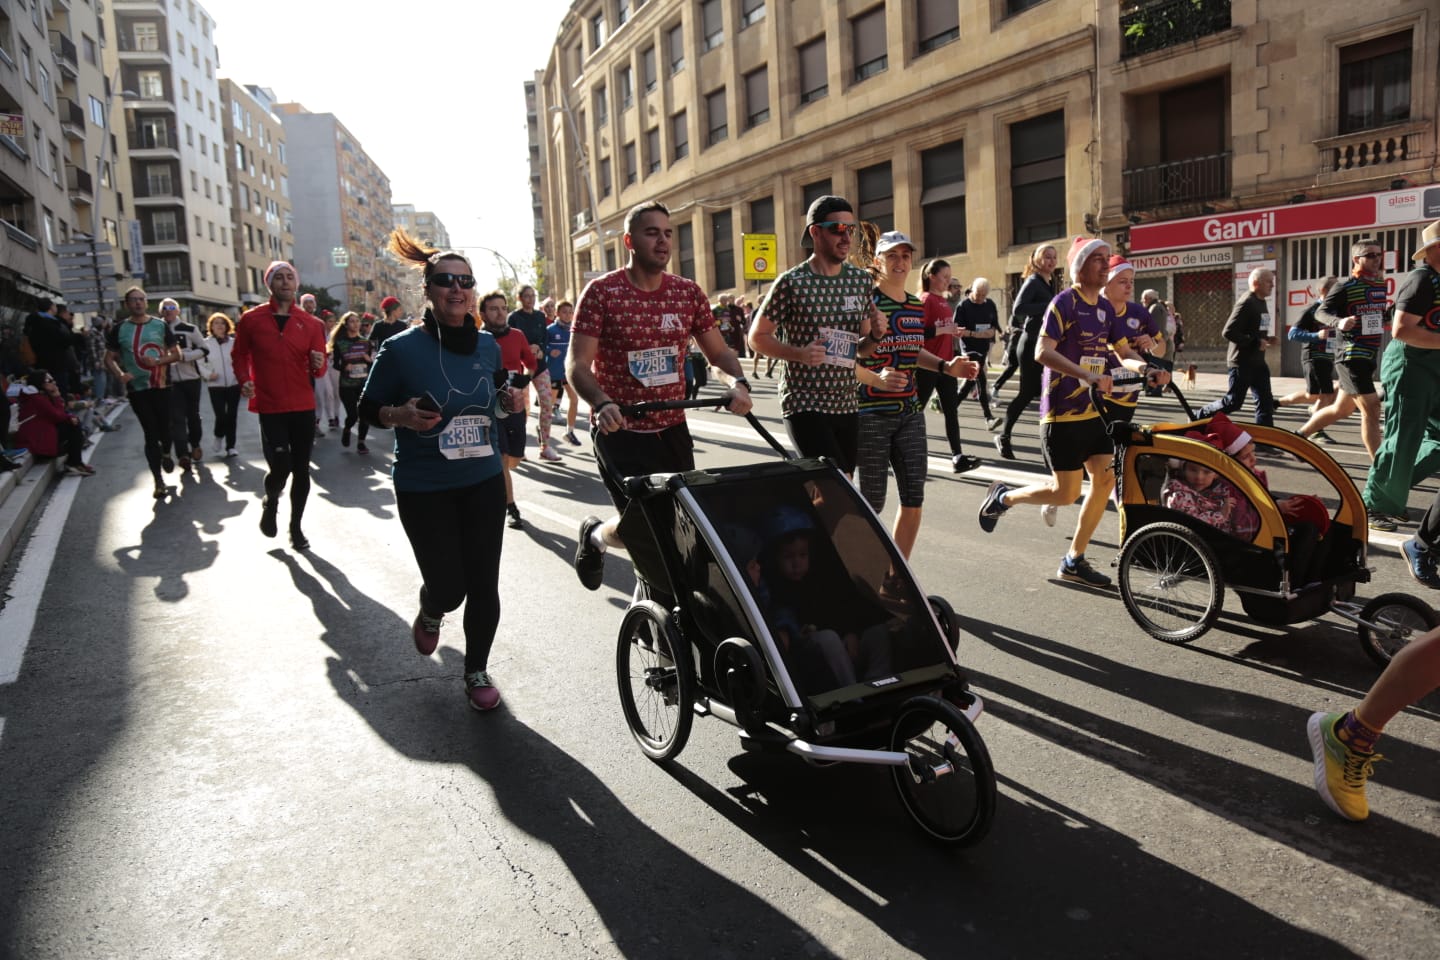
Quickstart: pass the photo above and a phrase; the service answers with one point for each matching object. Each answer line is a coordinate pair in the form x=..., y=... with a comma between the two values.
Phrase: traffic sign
x=759, y=256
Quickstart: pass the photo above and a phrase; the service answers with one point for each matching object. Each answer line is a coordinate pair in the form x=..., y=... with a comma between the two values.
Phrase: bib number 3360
x=466, y=437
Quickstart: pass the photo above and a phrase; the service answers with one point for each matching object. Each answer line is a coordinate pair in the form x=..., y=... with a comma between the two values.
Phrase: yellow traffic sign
x=759, y=256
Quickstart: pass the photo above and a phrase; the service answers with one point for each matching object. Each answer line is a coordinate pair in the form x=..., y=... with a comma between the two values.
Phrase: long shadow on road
x=1388, y=853
x=654, y=899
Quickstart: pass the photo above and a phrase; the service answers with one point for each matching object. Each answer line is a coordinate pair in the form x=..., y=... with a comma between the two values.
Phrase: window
x=151, y=84
x=194, y=185
x=88, y=48
x=202, y=270
x=867, y=36
x=1375, y=83
x=679, y=137
x=876, y=195
x=627, y=88
x=757, y=97
x=184, y=89
x=47, y=89
x=685, y=249
x=1013, y=7
x=811, y=192
x=938, y=22
x=710, y=26
x=597, y=31
x=204, y=144
x=197, y=226
x=97, y=112
x=26, y=70
x=211, y=225
x=942, y=199
x=1037, y=177
x=168, y=272
x=762, y=215
x=814, y=83
x=157, y=181
x=632, y=167
x=751, y=11
x=716, y=116
x=622, y=13
x=49, y=220
x=607, y=185
x=675, y=46
x=209, y=73
x=652, y=150
x=722, y=249
x=147, y=36
x=239, y=156
x=189, y=135
x=647, y=68
x=602, y=107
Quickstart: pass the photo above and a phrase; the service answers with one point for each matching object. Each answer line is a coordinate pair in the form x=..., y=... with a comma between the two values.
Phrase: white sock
x=597, y=540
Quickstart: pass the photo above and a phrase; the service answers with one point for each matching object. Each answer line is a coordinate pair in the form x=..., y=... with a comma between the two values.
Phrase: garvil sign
x=1326, y=216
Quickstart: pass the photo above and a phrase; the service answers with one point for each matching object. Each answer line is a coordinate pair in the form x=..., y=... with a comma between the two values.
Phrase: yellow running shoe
x=1340, y=773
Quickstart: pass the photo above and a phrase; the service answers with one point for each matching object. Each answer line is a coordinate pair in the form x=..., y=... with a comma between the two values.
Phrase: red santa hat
x=1118, y=265
x=1233, y=439
x=1081, y=250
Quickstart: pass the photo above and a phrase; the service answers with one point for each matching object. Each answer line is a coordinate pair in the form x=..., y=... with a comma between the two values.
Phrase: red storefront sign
x=1326, y=216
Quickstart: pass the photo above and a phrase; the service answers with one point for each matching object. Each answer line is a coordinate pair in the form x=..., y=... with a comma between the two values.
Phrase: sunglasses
x=1370, y=256
x=838, y=228
x=464, y=280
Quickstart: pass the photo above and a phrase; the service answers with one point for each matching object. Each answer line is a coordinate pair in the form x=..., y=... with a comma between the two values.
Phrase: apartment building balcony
x=1396, y=149
x=153, y=51
x=155, y=8
x=1193, y=180
x=157, y=194
x=1150, y=25
x=72, y=120
x=149, y=143
x=66, y=56
x=80, y=185
x=144, y=102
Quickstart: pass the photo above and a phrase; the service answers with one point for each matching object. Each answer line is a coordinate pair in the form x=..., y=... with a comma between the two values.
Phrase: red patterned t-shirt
x=642, y=336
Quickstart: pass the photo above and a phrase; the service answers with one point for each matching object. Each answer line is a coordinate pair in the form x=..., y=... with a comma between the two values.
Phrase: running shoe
x=992, y=507
x=1421, y=563
x=481, y=691
x=1002, y=447
x=197, y=454
x=1320, y=436
x=425, y=631
x=960, y=463
x=995, y=423
x=167, y=463
x=1047, y=513
x=361, y=448
x=589, y=559
x=345, y=437
x=514, y=523
x=571, y=439
x=1383, y=523
x=230, y=453
x=1078, y=570
x=1340, y=773
x=161, y=491
x=550, y=456
x=298, y=539
x=334, y=423
x=217, y=446
x=268, y=509
x=77, y=470
x=184, y=463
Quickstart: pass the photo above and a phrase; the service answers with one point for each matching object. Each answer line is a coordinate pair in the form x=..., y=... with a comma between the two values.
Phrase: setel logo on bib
x=655, y=367
x=466, y=437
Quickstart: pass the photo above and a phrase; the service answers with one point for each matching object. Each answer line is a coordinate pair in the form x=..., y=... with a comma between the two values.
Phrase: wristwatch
x=740, y=382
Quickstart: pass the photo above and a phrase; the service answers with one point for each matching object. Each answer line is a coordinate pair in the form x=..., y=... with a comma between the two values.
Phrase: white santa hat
x=1080, y=250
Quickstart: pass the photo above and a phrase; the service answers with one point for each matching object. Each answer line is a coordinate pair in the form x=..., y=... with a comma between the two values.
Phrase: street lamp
x=500, y=258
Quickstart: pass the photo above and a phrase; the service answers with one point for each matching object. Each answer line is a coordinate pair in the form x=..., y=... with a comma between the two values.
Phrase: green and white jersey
x=806, y=306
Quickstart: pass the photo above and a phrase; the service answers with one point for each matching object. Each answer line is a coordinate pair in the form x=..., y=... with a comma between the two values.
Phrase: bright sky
x=434, y=92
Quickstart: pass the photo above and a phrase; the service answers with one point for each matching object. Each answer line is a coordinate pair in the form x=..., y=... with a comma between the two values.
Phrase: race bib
x=981, y=327
x=656, y=367
x=466, y=437
x=1265, y=324
x=1321, y=346
x=1372, y=319
x=1095, y=365
x=356, y=371
x=840, y=346
x=947, y=328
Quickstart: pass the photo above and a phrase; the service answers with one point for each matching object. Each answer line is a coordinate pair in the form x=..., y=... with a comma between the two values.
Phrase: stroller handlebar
x=651, y=406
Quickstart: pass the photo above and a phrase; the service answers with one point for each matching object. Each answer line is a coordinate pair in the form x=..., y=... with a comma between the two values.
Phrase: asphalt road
x=217, y=747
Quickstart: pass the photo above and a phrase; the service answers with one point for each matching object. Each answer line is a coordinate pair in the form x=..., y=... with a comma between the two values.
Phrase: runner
x=223, y=387
x=1026, y=318
x=532, y=323
x=940, y=331
x=1249, y=332
x=351, y=353
x=1139, y=327
x=520, y=363
x=1080, y=330
x=186, y=431
x=392, y=323
x=435, y=385
x=327, y=386
x=627, y=346
x=138, y=352
x=557, y=351
x=278, y=349
x=892, y=419
x=817, y=318
x=1355, y=309
x=1315, y=360
x=978, y=321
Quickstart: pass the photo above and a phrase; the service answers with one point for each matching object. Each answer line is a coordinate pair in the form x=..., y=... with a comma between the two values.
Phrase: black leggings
x=1012, y=359
x=152, y=409
x=456, y=536
x=933, y=381
x=225, y=402
x=980, y=387
x=185, y=429
x=833, y=435
x=350, y=397
x=286, y=439
x=1031, y=374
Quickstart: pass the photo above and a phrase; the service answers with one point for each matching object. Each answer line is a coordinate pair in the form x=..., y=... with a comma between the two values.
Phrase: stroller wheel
x=1170, y=582
x=949, y=624
x=656, y=680
x=1400, y=619
x=948, y=787
x=741, y=675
